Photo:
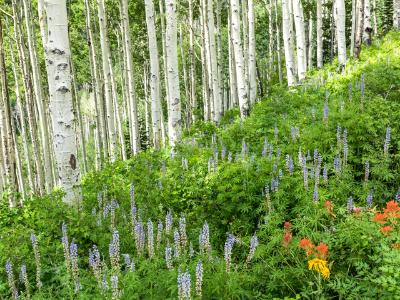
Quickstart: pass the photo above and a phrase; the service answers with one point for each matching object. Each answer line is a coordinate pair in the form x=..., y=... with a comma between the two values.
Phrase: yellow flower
x=320, y=266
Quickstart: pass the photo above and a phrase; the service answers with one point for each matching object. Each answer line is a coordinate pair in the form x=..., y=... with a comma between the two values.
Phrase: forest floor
x=300, y=200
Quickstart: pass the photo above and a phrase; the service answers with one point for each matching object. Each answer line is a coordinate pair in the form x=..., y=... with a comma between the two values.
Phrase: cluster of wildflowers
x=305, y=172
x=73, y=253
x=184, y=285
x=320, y=255
x=129, y=263
x=139, y=236
x=182, y=231
x=177, y=244
x=350, y=204
x=113, y=250
x=113, y=206
x=287, y=235
x=95, y=264
x=23, y=277
x=36, y=252
x=289, y=164
x=369, y=199
x=253, y=245
x=168, y=256
x=230, y=241
x=160, y=229
x=295, y=132
x=199, y=279
x=10, y=278
x=389, y=218
x=150, y=238
x=204, y=239
x=325, y=174
x=65, y=243
x=114, y=287
x=345, y=147
x=326, y=111
x=386, y=145
x=168, y=222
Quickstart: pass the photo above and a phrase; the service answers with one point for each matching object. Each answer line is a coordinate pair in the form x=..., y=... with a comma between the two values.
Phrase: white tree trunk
x=134, y=123
x=353, y=25
x=154, y=74
x=193, y=99
x=319, y=35
x=278, y=42
x=289, y=56
x=341, y=31
x=300, y=39
x=310, y=42
x=174, y=116
x=239, y=60
x=396, y=14
x=234, y=101
x=207, y=74
x=252, y=55
x=39, y=99
x=359, y=29
x=105, y=53
x=367, y=22
x=59, y=78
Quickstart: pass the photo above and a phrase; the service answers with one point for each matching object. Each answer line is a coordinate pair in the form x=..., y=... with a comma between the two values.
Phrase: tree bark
x=286, y=30
x=252, y=55
x=174, y=116
x=58, y=56
x=320, y=51
x=300, y=39
x=341, y=31
x=359, y=29
x=367, y=23
x=396, y=14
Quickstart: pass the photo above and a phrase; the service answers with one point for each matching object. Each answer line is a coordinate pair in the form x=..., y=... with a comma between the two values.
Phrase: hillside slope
x=315, y=162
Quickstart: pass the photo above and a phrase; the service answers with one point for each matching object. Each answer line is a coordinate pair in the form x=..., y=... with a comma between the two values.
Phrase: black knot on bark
x=62, y=66
x=57, y=51
x=63, y=89
x=72, y=162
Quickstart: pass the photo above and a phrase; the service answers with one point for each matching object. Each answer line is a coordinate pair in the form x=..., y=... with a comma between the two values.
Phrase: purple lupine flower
x=168, y=256
x=104, y=283
x=271, y=152
x=177, y=244
x=275, y=167
x=366, y=176
x=337, y=164
x=184, y=285
x=345, y=147
x=73, y=253
x=223, y=153
x=305, y=173
x=133, y=214
x=280, y=173
x=159, y=233
x=24, y=279
x=338, y=134
x=114, y=287
x=369, y=199
x=312, y=172
x=230, y=241
x=315, y=194
x=113, y=250
x=139, y=236
x=300, y=157
x=127, y=260
x=386, y=145
x=199, y=279
x=253, y=245
x=315, y=155
x=150, y=238
x=350, y=204
x=10, y=278
x=36, y=252
x=95, y=264
x=204, y=239
x=325, y=174
x=168, y=222
x=182, y=231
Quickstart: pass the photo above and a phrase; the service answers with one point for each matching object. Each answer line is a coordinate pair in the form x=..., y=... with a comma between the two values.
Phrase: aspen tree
x=174, y=115
x=341, y=31
x=239, y=60
x=367, y=23
x=300, y=39
x=278, y=42
x=58, y=54
x=252, y=55
x=396, y=14
x=193, y=99
x=286, y=31
x=234, y=101
x=359, y=28
x=319, y=35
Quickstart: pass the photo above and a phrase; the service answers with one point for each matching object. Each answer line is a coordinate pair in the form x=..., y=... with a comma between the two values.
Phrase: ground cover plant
x=300, y=200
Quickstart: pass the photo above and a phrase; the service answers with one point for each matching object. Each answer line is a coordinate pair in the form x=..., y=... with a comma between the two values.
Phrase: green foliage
x=228, y=191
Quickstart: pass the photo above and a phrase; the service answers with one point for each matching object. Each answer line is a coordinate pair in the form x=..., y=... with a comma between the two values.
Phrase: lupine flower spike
x=36, y=252
x=199, y=279
x=10, y=278
x=74, y=265
x=253, y=246
x=230, y=241
x=24, y=279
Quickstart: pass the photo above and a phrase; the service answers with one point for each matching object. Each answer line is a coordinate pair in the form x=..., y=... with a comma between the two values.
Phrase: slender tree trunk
x=396, y=14
x=135, y=143
x=6, y=128
x=207, y=80
x=219, y=58
x=270, y=42
x=164, y=51
x=245, y=43
x=59, y=78
x=374, y=17
x=21, y=111
x=359, y=29
x=353, y=25
x=39, y=99
x=300, y=39
x=252, y=55
x=289, y=56
x=193, y=99
x=310, y=42
x=101, y=133
x=217, y=101
x=320, y=51
x=278, y=42
x=239, y=60
x=154, y=74
x=174, y=116
x=234, y=101
x=367, y=23
x=105, y=53
x=341, y=31
x=185, y=80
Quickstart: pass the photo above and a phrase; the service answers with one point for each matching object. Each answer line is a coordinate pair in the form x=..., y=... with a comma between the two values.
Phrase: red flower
x=329, y=206
x=322, y=250
x=380, y=218
x=287, y=237
x=287, y=226
x=386, y=229
x=307, y=245
x=392, y=206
